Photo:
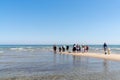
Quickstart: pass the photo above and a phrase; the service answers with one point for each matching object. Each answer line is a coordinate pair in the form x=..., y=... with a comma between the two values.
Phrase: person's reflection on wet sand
x=54, y=58
x=105, y=67
x=76, y=60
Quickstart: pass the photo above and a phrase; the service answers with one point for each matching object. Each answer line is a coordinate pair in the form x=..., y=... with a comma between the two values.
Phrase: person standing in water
x=83, y=48
x=74, y=48
x=105, y=48
x=54, y=48
x=87, y=48
x=67, y=48
x=60, y=49
x=63, y=48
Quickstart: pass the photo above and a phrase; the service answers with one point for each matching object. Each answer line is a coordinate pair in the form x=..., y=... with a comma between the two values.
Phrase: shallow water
x=45, y=65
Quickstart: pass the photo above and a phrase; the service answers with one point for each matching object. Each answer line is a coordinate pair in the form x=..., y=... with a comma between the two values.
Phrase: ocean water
x=38, y=62
x=48, y=48
x=99, y=48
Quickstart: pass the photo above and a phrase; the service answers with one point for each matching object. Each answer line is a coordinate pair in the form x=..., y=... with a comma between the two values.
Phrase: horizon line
x=56, y=44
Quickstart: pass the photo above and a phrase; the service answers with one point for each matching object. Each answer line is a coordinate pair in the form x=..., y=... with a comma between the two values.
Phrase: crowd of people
x=60, y=48
x=78, y=48
x=75, y=48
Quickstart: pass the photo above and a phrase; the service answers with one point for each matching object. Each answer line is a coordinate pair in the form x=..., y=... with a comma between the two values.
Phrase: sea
x=39, y=62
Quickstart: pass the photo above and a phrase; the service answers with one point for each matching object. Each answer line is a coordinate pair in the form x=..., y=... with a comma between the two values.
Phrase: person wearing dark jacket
x=67, y=48
x=54, y=48
x=105, y=48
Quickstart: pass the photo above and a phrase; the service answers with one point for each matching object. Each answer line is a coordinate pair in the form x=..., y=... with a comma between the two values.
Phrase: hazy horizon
x=56, y=44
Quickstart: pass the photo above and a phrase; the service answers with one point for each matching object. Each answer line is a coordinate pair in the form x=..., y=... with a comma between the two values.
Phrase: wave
x=30, y=49
x=18, y=49
x=118, y=49
x=96, y=48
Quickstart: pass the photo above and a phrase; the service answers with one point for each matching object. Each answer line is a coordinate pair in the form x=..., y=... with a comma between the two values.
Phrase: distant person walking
x=74, y=48
x=67, y=48
x=63, y=48
x=77, y=48
x=86, y=48
x=60, y=49
x=105, y=48
x=54, y=48
x=83, y=48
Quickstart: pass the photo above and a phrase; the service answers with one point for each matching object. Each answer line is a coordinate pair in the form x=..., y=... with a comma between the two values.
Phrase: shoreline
x=113, y=57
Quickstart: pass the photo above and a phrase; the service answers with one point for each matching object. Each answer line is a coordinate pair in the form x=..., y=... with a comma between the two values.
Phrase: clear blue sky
x=59, y=21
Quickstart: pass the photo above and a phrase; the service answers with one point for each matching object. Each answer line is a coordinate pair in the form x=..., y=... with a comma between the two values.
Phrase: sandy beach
x=115, y=57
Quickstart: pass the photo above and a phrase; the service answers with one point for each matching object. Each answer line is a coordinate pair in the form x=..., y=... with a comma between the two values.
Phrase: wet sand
x=115, y=57
x=76, y=75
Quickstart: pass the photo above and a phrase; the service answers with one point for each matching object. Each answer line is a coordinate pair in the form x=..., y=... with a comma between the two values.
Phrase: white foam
x=31, y=49
x=115, y=48
x=17, y=49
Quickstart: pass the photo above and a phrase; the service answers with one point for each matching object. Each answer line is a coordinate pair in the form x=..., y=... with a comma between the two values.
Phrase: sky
x=59, y=21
